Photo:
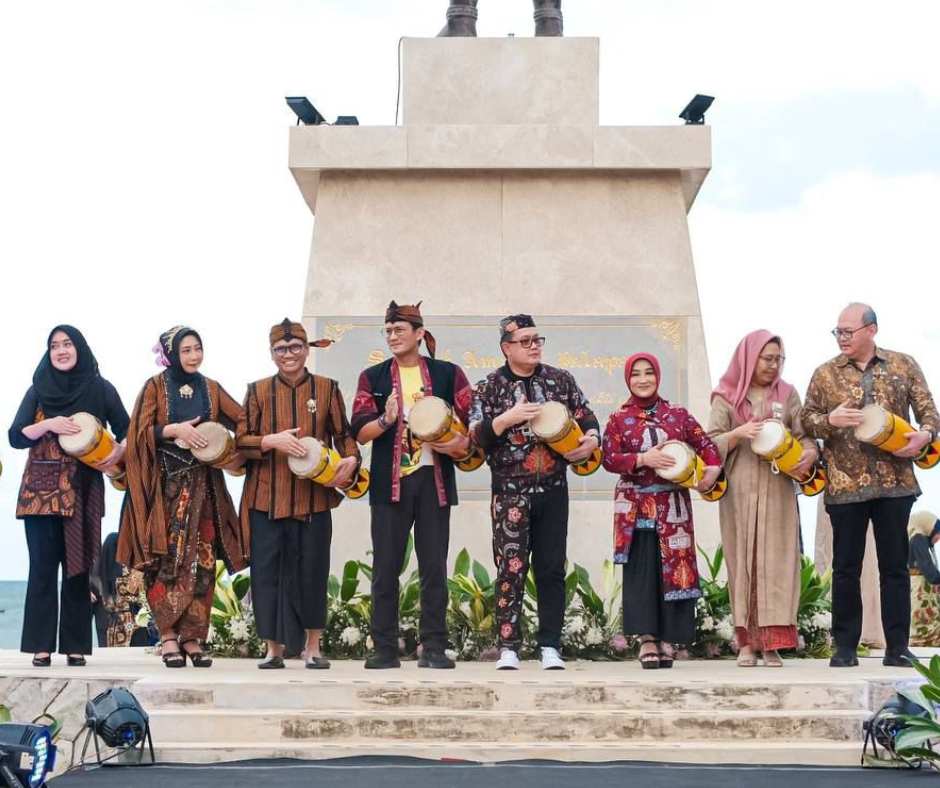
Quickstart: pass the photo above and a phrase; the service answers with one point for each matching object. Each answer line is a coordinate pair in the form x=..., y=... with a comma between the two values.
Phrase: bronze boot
x=461, y=19
x=548, y=19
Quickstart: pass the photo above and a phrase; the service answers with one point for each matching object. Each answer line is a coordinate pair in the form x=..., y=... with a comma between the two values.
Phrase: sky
x=144, y=180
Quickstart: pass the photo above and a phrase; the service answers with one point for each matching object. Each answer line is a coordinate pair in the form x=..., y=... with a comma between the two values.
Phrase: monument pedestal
x=501, y=194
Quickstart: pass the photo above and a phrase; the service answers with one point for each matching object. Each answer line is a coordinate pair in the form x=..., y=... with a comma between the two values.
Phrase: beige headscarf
x=921, y=523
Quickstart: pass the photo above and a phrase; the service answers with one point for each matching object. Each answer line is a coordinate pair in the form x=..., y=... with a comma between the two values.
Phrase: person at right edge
x=866, y=482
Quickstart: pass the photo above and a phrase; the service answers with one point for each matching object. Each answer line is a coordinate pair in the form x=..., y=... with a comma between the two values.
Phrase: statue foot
x=548, y=18
x=461, y=20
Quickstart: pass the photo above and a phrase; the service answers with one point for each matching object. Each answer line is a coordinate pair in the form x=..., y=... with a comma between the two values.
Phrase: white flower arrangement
x=351, y=636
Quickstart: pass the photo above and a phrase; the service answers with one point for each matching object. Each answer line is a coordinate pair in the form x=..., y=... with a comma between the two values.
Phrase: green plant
x=814, y=612
x=714, y=629
x=5, y=715
x=913, y=742
x=232, y=628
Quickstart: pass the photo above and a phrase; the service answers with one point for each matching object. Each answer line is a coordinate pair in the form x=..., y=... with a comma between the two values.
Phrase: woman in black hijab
x=61, y=500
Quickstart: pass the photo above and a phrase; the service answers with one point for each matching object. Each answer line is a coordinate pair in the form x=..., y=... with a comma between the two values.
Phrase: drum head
x=80, y=441
x=874, y=421
x=218, y=438
x=771, y=435
x=303, y=465
x=428, y=417
x=550, y=421
x=684, y=457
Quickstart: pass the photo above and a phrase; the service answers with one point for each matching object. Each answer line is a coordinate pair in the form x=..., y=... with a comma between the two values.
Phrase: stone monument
x=499, y=193
x=462, y=18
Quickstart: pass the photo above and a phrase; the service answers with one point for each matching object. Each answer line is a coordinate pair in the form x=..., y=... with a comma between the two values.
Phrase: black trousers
x=645, y=612
x=45, y=539
x=391, y=524
x=290, y=568
x=889, y=517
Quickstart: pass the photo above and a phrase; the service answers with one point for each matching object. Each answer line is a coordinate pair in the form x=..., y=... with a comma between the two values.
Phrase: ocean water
x=12, y=596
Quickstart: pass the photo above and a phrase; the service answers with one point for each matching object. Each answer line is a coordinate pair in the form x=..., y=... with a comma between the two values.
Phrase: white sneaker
x=551, y=659
x=508, y=660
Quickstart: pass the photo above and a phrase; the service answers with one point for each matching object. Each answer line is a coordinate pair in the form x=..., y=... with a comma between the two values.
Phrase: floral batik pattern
x=925, y=613
x=511, y=518
x=859, y=471
x=645, y=501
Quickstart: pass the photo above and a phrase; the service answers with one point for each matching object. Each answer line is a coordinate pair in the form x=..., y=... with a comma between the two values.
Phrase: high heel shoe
x=649, y=660
x=199, y=658
x=173, y=659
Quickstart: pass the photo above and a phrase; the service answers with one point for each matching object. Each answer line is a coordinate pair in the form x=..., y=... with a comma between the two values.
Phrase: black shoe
x=382, y=660
x=42, y=662
x=271, y=663
x=317, y=663
x=435, y=658
x=76, y=662
x=844, y=658
x=899, y=658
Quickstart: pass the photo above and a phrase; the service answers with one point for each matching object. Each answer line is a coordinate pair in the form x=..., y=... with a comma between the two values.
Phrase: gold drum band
x=319, y=465
x=777, y=445
x=92, y=445
x=689, y=470
x=433, y=420
x=887, y=431
x=555, y=426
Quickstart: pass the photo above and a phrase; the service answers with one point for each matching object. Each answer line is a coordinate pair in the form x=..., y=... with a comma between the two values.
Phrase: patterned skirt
x=925, y=612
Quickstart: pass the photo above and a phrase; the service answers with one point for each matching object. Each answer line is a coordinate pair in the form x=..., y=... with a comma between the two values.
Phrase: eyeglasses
x=772, y=360
x=397, y=331
x=294, y=349
x=527, y=342
x=847, y=333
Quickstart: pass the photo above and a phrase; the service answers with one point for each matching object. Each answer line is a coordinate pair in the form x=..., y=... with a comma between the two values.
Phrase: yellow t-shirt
x=412, y=457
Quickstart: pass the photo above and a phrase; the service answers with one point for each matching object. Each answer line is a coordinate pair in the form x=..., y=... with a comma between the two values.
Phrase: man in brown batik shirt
x=866, y=482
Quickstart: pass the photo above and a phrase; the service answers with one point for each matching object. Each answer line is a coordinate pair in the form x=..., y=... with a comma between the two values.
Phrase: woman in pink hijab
x=760, y=526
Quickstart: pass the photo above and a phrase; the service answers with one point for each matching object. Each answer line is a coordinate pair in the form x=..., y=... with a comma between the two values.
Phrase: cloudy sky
x=144, y=181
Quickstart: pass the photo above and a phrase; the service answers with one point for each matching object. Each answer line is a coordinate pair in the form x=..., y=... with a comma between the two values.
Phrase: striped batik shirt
x=314, y=405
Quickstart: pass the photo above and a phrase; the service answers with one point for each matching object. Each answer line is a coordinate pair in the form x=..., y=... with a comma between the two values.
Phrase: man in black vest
x=412, y=482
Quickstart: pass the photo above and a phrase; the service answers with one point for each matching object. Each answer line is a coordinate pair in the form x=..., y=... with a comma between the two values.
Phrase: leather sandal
x=748, y=660
x=173, y=659
x=199, y=658
x=650, y=659
x=772, y=659
x=666, y=656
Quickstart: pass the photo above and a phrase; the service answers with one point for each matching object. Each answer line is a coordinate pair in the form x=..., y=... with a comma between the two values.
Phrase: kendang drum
x=555, y=426
x=689, y=470
x=319, y=465
x=776, y=444
x=92, y=445
x=432, y=420
x=221, y=445
x=886, y=430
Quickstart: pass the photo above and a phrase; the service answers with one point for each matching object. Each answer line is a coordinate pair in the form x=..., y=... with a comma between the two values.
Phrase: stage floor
x=698, y=712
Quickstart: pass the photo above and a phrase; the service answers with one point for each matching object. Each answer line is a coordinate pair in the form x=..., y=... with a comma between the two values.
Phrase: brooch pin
x=186, y=391
x=312, y=405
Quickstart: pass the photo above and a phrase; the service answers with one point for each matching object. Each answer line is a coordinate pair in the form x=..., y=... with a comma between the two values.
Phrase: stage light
x=27, y=755
x=884, y=727
x=694, y=113
x=347, y=120
x=117, y=719
x=305, y=111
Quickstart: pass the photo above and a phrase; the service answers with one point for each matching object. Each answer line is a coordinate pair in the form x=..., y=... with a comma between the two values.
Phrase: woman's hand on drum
x=186, y=432
x=803, y=467
x=915, y=444
x=344, y=472
x=61, y=425
x=657, y=459
x=457, y=447
x=391, y=408
x=712, y=472
x=846, y=416
x=285, y=442
x=586, y=446
x=114, y=458
x=749, y=430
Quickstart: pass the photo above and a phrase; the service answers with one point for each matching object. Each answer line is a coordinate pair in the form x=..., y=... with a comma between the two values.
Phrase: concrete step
x=808, y=752
x=227, y=726
x=496, y=695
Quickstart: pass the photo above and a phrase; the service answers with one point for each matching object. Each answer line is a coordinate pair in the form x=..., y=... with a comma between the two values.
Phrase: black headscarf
x=76, y=391
x=183, y=408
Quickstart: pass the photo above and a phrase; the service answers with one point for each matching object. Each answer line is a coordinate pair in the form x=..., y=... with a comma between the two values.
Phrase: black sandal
x=649, y=660
x=199, y=658
x=174, y=659
x=665, y=657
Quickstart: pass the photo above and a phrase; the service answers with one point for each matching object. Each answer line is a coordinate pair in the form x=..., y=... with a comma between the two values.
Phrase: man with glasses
x=289, y=518
x=866, y=483
x=412, y=483
x=530, y=485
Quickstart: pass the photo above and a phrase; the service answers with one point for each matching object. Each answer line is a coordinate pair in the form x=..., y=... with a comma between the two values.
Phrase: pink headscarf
x=736, y=381
x=642, y=402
